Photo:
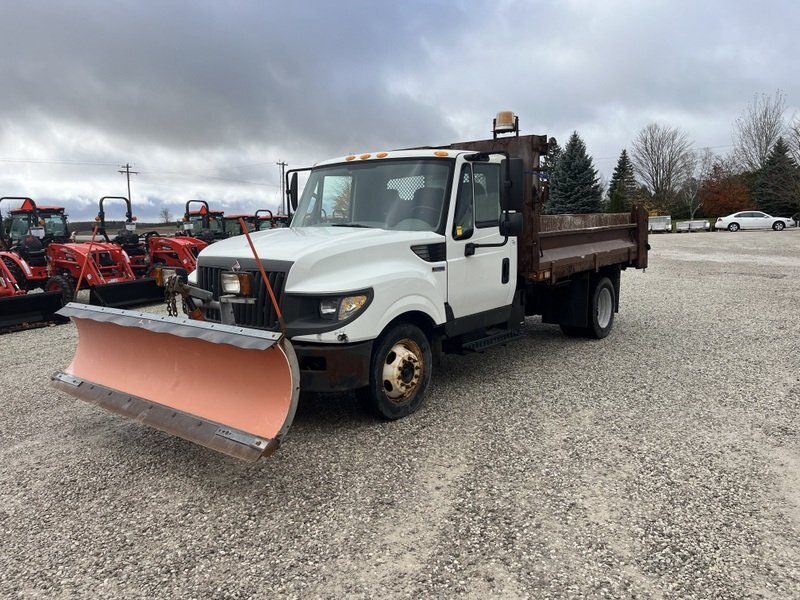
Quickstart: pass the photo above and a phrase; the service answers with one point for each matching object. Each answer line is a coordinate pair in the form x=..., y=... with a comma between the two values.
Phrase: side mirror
x=513, y=195
x=293, y=191
x=511, y=224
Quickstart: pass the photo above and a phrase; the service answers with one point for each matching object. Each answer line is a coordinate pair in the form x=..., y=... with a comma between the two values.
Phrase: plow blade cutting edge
x=228, y=388
x=125, y=294
x=19, y=311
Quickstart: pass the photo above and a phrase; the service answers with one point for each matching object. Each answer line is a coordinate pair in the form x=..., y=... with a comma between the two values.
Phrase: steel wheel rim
x=604, y=308
x=402, y=370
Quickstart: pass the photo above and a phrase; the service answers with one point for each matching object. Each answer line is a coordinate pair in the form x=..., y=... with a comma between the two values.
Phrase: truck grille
x=260, y=315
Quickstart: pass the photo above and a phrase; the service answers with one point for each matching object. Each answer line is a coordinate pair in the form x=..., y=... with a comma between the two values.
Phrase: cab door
x=480, y=279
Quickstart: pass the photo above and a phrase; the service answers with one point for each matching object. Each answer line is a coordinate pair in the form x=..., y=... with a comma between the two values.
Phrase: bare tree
x=793, y=139
x=698, y=171
x=661, y=157
x=757, y=130
x=165, y=215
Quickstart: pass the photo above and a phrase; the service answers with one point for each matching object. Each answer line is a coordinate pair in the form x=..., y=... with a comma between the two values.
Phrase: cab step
x=495, y=339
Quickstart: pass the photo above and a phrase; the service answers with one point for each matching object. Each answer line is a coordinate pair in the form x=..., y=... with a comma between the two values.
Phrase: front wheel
x=779, y=225
x=733, y=227
x=61, y=284
x=400, y=369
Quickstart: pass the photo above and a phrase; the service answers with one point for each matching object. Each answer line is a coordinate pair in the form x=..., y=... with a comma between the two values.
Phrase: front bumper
x=333, y=367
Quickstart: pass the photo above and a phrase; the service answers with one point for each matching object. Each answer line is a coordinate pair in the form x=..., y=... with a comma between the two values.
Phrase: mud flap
x=231, y=389
x=125, y=294
x=19, y=312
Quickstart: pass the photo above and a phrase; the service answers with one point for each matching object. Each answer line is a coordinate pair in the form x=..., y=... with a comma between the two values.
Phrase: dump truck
x=391, y=260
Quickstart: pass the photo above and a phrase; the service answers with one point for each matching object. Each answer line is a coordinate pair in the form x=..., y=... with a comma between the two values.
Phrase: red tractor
x=40, y=236
x=270, y=221
x=203, y=223
x=19, y=308
x=152, y=249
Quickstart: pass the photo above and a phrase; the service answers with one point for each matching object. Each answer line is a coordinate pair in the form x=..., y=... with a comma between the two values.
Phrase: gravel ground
x=663, y=461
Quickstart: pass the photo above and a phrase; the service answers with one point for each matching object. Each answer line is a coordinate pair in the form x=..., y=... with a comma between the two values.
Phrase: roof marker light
x=441, y=153
x=351, y=157
x=365, y=156
x=381, y=155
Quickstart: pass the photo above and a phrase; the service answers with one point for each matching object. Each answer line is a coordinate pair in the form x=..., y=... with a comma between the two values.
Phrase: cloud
x=205, y=97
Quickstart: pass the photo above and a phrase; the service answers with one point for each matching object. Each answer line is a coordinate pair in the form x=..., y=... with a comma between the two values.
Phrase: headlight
x=238, y=284
x=340, y=309
x=162, y=275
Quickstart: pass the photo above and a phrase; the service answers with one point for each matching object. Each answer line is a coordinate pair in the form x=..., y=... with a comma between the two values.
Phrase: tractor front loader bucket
x=20, y=312
x=228, y=388
x=125, y=294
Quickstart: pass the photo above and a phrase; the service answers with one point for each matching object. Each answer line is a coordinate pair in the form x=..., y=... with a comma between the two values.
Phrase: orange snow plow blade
x=228, y=388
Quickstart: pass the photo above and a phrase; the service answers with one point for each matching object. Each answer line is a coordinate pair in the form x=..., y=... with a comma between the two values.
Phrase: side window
x=463, y=220
x=487, y=194
x=336, y=196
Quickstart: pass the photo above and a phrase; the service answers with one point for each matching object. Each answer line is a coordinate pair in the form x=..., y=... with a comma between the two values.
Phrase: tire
x=61, y=284
x=16, y=273
x=733, y=227
x=601, y=312
x=601, y=309
x=400, y=370
x=779, y=225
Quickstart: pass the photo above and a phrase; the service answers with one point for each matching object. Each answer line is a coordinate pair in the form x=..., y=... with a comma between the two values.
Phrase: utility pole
x=126, y=168
x=282, y=166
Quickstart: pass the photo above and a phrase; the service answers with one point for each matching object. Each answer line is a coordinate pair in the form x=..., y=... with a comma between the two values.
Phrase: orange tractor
x=152, y=249
x=204, y=224
x=270, y=220
x=39, y=236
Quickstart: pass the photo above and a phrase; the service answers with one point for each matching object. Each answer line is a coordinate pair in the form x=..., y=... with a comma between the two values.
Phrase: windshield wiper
x=350, y=225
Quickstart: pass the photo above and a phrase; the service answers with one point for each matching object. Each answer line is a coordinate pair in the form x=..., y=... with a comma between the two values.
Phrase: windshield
x=214, y=223
x=54, y=223
x=399, y=194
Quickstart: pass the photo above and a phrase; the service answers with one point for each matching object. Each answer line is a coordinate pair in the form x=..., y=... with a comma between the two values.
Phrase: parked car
x=753, y=219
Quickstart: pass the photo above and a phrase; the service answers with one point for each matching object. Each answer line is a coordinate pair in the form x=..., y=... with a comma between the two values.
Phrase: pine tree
x=623, y=189
x=777, y=188
x=574, y=185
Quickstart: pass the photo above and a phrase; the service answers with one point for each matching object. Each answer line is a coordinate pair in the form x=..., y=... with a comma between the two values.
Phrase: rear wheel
x=602, y=304
x=733, y=227
x=400, y=370
x=63, y=285
x=778, y=225
x=601, y=311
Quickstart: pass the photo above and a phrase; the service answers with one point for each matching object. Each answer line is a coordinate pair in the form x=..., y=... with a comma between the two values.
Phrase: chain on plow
x=171, y=292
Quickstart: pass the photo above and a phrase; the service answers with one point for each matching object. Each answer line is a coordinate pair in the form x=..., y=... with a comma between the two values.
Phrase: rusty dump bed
x=567, y=244
x=554, y=247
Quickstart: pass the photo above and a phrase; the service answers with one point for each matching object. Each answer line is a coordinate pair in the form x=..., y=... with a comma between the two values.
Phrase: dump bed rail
x=568, y=244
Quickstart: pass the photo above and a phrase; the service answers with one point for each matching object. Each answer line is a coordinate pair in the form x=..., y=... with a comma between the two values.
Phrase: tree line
x=667, y=174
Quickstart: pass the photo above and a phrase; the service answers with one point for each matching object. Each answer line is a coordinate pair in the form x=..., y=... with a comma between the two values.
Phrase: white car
x=752, y=219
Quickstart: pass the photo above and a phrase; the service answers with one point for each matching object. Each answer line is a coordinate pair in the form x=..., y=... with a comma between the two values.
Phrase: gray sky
x=204, y=97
